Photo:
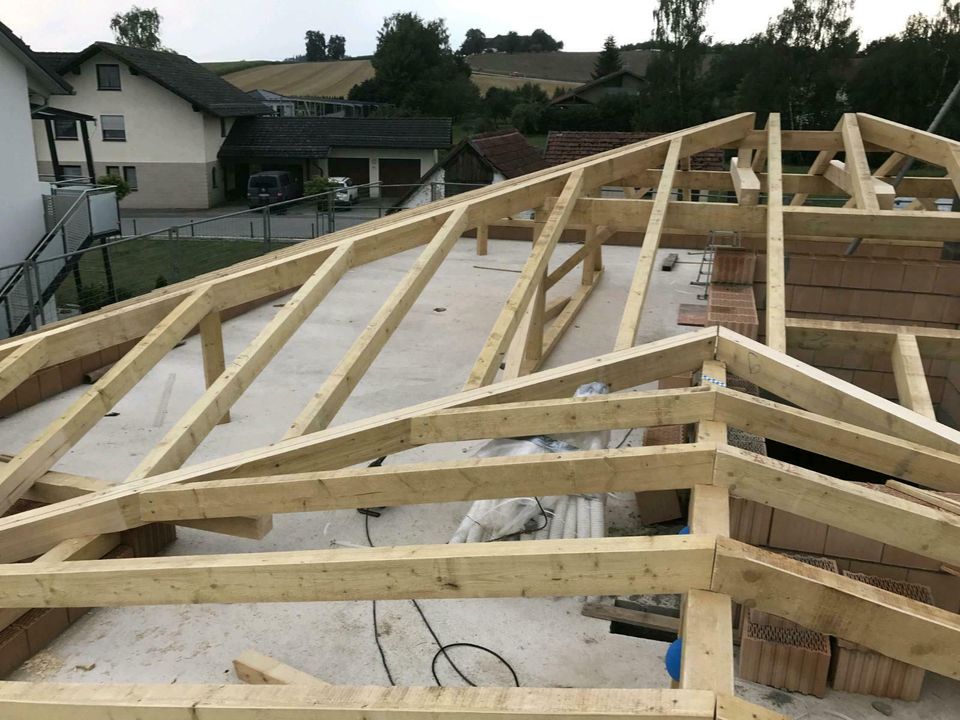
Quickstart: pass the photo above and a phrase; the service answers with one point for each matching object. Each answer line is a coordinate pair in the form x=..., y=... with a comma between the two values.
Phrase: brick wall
x=871, y=289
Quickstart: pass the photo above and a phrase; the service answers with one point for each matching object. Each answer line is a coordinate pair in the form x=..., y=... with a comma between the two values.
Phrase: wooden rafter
x=310, y=469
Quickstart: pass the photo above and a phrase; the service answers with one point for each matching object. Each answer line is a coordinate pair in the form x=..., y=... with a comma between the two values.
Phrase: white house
x=25, y=83
x=160, y=121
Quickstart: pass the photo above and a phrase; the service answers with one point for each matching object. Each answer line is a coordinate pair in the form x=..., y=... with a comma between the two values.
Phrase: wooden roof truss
x=315, y=467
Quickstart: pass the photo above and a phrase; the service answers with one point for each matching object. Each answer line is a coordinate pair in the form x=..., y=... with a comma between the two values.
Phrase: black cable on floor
x=443, y=648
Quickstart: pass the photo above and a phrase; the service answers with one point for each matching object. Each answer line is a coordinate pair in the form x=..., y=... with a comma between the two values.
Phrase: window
x=213, y=176
x=64, y=129
x=113, y=128
x=71, y=171
x=113, y=170
x=130, y=176
x=108, y=77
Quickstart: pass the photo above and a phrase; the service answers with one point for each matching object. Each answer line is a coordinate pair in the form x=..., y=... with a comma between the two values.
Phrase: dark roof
x=33, y=61
x=507, y=151
x=312, y=137
x=565, y=146
x=572, y=94
x=177, y=73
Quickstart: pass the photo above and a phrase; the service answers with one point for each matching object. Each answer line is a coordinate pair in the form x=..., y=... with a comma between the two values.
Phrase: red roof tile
x=564, y=146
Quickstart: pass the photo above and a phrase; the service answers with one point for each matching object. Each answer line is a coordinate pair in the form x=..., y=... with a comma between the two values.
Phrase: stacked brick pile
x=730, y=301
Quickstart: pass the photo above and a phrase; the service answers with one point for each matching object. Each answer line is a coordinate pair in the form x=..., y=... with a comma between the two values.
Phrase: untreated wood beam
x=776, y=306
x=487, y=364
x=910, y=378
x=324, y=405
x=605, y=566
x=637, y=294
x=592, y=471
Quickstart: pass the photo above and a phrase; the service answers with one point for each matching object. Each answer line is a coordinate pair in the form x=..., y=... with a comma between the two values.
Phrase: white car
x=346, y=192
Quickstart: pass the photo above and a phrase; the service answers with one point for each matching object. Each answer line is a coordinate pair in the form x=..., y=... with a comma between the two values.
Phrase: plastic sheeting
x=554, y=517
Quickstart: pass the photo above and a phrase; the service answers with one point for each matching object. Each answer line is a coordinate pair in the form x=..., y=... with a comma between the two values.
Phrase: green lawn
x=142, y=265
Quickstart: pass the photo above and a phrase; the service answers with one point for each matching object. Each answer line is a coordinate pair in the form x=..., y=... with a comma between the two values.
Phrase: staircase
x=75, y=216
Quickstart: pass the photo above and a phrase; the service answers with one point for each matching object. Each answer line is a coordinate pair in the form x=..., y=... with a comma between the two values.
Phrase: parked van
x=271, y=186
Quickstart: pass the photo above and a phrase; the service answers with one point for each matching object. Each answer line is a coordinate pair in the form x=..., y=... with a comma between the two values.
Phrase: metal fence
x=161, y=249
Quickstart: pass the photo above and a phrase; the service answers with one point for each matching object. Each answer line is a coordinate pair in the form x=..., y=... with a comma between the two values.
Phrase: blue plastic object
x=685, y=530
x=672, y=659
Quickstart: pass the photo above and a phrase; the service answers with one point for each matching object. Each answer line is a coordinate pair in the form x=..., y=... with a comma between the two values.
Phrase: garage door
x=357, y=169
x=401, y=174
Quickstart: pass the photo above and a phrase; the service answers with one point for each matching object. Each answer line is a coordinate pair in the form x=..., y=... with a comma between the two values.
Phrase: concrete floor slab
x=547, y=640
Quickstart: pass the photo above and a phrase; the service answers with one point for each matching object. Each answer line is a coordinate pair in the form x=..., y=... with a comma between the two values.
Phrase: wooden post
x=911, y=380
x=482, y=233
x=211, y=339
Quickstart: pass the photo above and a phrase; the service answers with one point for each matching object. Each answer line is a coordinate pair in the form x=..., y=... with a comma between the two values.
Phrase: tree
x=542, y=41
x=138, y=27
x=337, y=47
x=416, y=70
x=608, y=61
x=907, y=77
x=474, y=43
x=680, y=32
x=316, y=46
x=800, y=64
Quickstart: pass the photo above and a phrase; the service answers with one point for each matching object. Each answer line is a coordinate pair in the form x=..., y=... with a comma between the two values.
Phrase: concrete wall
x=21, y=210
x=168, y=142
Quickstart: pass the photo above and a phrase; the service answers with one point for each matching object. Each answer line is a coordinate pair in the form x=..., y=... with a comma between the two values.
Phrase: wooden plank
x=908, y=373
x=633, y=310
x=547, y=417
x=876, y=515
x=730, y=707
x=857, y=167
x=592, y=471
x=837, y=174
x=707, y=631
x=840, y=440
x=825, y=394
x=331, y=396
x=555, y=331
x=211, y=344
x=934, y=498
x=255, y=668
x=875, y=339
x=21, y=364
x=910, y=142
x=91, y=547
x=709, y=509
x=352, y=443
x=776, y=309
x=799, y=222
x=746, y=184
x=712, y=374
x=486, y=366
x=598, y=566
x=561, y=271
x=190, y=430
x=824, y=601
x=88, y=701
x=603, y=611
x=40, y=454
x=483, y=232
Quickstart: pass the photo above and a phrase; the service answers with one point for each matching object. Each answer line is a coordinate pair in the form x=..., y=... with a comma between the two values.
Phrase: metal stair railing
x=28, y=286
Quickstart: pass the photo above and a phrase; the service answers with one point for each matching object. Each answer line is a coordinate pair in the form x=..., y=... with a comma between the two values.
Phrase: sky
x=210, y=30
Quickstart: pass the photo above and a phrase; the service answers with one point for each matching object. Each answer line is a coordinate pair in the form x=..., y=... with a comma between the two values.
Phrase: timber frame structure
x=316, y=467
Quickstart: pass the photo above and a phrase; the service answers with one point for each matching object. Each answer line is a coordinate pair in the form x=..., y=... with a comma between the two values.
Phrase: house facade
x=25, y=83
x=160, y=121
x=394, y=152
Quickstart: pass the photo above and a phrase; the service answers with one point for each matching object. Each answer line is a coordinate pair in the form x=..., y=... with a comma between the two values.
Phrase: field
x=327, y=79
x=334, y=79
x=569, y=67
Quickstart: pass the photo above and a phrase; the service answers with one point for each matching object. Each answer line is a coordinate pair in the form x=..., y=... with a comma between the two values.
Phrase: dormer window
x=108, y=77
